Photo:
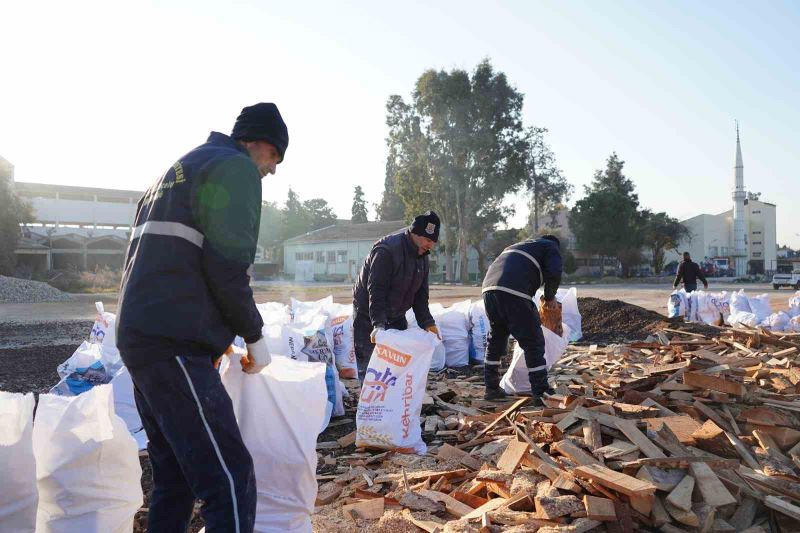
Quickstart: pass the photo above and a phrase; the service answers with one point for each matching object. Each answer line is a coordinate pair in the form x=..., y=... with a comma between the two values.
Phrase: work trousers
x=516, y=316
x=195, y=447
x=362, y=328
x=690, y=287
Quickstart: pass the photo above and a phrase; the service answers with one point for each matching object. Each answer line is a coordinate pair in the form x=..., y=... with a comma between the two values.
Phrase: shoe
x=494, y=395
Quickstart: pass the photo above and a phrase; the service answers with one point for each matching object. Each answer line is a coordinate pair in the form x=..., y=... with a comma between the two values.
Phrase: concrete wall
x=761, y=227
x=66, y=211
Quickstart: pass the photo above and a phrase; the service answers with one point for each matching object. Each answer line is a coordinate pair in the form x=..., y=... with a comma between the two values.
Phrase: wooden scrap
x=328, y=492
x=647, y=447
x=512, y=456
x=418, y=502
x=683, y=426
x=705, y=382
x=714, y=492
x=769, y=445
x=614, y=480
x=711, y=438
x=447, y=451
x=491, y=505
x=684, y=517
x=742, y=450
x=516, y=405
x=681, y=495
x=663, y=479
x=551, y=508
x=744, y=515
x=570, y=450
x=426, y=525
x=600, y=509
x=782, y=507
x=453, y=506
x=592, y=435
x=347, y=440
x=711, y=415
x=367, y=509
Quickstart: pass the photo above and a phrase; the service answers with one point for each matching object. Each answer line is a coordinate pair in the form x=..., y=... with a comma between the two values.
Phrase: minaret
x=739, y=195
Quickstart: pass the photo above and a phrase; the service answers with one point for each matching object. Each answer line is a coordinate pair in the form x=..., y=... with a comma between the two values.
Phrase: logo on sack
x=338, y=320
x=392, y=356
x=408, y=393
x=376, y=385
x=430, y=228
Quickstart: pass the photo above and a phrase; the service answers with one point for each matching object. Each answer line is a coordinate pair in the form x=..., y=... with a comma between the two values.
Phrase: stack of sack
x=75, y=467
x=735, y=309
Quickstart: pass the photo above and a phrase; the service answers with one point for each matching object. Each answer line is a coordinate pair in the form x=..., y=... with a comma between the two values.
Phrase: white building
x=743, y=238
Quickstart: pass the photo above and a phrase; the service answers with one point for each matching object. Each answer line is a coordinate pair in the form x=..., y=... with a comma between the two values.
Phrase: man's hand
x=228, y=351
x=374, y=333
x=257, y=358
x=705, y=286
x=433, y=329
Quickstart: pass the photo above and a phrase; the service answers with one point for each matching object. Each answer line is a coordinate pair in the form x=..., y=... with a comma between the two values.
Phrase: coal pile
x=614, y=321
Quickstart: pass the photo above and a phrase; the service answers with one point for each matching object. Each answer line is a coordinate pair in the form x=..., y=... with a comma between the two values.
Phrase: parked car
x=785, y=279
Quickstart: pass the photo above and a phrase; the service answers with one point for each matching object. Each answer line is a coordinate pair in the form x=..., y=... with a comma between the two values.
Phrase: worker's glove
x=257, y=357
x=228, y=352
x=375, y=333
x=433, y=329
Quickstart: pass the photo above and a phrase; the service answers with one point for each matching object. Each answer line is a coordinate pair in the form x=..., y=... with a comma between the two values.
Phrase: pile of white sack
x=734, y=309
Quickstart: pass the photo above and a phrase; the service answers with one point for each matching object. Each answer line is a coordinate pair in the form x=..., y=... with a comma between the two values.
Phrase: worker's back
x=193, y=235
x=523, y=267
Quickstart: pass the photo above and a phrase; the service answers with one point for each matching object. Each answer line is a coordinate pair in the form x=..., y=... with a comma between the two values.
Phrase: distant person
x=689, y=272
x=185, y=296
x=508, y=290
x=394, y=279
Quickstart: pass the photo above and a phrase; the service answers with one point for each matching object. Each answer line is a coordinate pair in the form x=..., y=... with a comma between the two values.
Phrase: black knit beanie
x=262, y=122
x=427, y=225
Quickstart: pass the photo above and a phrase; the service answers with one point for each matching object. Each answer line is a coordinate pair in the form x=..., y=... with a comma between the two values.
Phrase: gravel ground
x=16, y=290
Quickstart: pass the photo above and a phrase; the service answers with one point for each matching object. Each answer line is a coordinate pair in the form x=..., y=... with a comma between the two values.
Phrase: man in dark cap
x=394, y=279
x=508, y=289
x=185, y=295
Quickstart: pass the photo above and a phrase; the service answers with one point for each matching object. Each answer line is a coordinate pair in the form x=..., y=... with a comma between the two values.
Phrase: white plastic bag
x=743, y=318
x=516, y=380
x=794, y=305
x=778, y=322
x=274, y=313
x=280, y=412
x=87, y=465
x=341, y=324
x=691, y=307
x=453, y=324
x=723, y=303
x=479, y=329
x=795, y=324
x=300, y=309
x=739, y=302
x=707, y=309
x=760, y=306
x=87, y=367
x=676, y=304
x=104, y=332
x=570, y=315
x=439, y=357
x=18, y=496
x=393, y=391
x=125, y=406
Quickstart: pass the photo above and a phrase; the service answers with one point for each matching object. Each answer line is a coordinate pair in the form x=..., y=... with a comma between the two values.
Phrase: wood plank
x=591, y=434
x=453, y=506
x=516, y=405
x=702, y=381
x=368, y=509
x=347, y=440
x=684, y=462
x=491, y=505
x=711, y=415
x=743, y=451
x=617, y=481
x=714, y=492
x=659, y=369
x=782, y=507
x=769, y=445
x=682, y=425
x=570, y=450
x=629, y=429
x=601, y=509
x=447, y=451
x=512, y=456
x=428, y=526
x=744, y=515
x=681, y=495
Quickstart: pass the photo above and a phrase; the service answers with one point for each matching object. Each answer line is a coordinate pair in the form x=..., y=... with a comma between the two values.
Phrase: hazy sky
x=110, y=94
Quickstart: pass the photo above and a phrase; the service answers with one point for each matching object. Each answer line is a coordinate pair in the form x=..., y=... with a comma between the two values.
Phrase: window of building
x=320, y=257
x=304, y=256
x=331, y=257
x=756, y=254
x=756, y=242
x=341, y=256
x=756, y=233
x=756, y=211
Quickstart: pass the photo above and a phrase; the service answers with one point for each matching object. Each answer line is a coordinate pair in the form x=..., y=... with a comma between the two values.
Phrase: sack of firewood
x=551, y=317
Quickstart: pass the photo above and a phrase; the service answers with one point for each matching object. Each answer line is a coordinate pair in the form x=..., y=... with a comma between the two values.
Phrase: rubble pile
x=679, y=432
x=17, y=290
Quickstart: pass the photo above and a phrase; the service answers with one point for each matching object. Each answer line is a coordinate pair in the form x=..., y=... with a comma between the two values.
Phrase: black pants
x=516, y=316
x=362, y=328
x=690, y=287
x=195, y=447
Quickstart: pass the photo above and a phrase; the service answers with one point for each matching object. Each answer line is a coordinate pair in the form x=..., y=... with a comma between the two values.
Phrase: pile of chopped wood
x=682, y=432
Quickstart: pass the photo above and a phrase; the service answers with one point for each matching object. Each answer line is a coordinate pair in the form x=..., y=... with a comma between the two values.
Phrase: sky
x=110, y=94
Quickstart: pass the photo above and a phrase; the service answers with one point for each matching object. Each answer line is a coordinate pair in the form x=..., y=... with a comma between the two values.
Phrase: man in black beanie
x=185, y=296
x=394, y=279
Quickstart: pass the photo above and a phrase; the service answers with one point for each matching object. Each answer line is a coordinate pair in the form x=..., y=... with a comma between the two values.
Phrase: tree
x=570, y=264
x=296, y=220
x=13, y=212
x=547, y=187
x=607, y=221
x=359, y=209
x=319, y=213
x=270, y=227
x=391, y=206
x=663, y=233
x=458, y=149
